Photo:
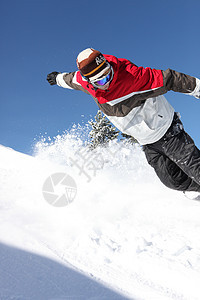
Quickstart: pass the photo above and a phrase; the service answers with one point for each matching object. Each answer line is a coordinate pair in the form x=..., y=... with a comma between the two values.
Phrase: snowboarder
x=132, y=99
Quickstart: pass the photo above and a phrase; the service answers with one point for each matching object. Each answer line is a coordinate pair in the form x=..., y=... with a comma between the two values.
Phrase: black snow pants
x=175, y=158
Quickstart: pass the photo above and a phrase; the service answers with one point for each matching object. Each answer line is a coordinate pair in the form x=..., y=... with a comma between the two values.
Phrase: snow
x=125, y=235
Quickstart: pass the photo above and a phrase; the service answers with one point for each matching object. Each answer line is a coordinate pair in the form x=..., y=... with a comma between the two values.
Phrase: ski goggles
x=107, y=77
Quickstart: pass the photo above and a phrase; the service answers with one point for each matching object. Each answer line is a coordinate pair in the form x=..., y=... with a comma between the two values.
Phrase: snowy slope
x=125, y=235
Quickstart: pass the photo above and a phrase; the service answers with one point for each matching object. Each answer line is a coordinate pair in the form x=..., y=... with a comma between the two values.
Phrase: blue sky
x=38, y=37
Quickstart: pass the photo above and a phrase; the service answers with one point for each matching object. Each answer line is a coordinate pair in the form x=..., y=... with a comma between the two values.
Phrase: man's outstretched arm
x=65, y=80
x=182, y=83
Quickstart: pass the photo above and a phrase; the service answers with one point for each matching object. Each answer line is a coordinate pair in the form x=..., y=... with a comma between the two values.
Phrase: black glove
x=51, y=78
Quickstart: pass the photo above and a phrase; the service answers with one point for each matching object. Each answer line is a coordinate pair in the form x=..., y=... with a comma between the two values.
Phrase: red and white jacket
x=134, y=102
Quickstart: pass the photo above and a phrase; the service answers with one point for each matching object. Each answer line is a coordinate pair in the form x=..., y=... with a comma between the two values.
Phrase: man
x=132, y=99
